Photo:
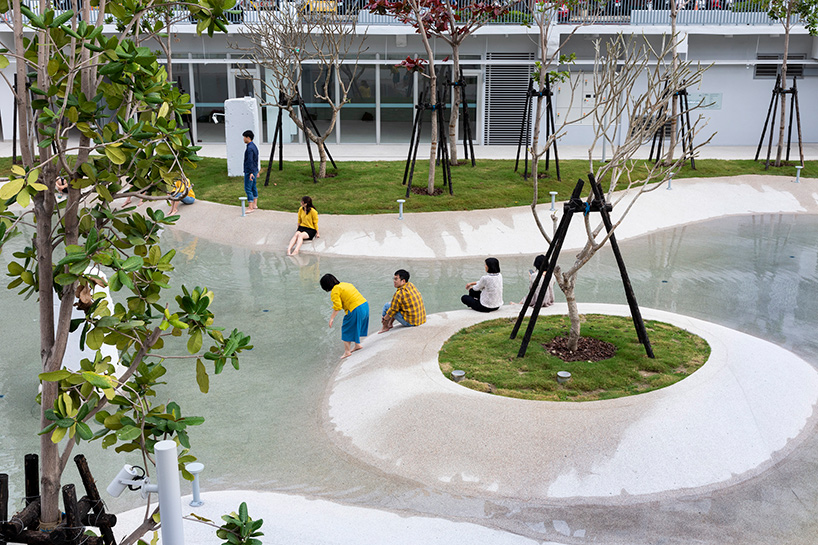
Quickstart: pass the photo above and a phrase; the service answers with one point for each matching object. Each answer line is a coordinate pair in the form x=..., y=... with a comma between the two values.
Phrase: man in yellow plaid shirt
x=407, y=305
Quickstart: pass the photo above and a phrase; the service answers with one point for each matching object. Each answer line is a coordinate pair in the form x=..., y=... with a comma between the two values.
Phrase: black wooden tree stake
x=771, y=111
x=574, y=205
x=550, y=127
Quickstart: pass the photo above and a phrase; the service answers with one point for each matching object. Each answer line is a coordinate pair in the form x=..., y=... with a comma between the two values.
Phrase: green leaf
x=58, y=434
x=115, y=154
x=194, y=343
x=94, y=341
x=201, y=377
x=11, y=188
x=133, y=263
x=4, y=62
x=97, y=380
x=128, y=433
x=55, y=376
x=84, y=431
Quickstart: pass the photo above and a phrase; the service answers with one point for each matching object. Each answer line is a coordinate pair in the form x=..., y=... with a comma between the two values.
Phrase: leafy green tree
x=74, y=77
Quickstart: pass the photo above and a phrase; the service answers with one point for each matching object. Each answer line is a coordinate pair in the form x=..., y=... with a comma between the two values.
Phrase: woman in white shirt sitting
x=486, y=294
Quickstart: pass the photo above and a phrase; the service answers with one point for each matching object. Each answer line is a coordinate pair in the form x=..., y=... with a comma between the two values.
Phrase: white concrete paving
x=297, y=520
x=727, y=421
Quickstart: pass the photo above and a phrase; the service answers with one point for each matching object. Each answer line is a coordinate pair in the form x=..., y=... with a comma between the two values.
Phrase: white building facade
x=745, y=51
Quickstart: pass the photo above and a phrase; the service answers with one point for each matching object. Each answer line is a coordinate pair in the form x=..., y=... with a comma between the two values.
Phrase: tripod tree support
x=771, y=111
x=685, y=128
x=575, y=204
x=550, y=127
x=278, y=136
x=468, y=141
x=414, y=143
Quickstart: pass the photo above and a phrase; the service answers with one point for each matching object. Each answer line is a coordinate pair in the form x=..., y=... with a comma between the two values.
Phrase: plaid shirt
x=409, y=303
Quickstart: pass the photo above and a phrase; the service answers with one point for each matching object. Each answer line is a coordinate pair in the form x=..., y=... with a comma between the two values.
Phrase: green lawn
x=487, y=355
x=373, y=187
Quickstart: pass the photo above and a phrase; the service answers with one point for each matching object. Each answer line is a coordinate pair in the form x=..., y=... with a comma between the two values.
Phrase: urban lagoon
x=264, y=429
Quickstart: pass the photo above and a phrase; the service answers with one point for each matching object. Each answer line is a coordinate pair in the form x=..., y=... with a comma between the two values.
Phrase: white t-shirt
x=490, y=287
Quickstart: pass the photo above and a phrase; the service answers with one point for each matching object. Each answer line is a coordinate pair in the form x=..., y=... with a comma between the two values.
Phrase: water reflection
x=265, y=426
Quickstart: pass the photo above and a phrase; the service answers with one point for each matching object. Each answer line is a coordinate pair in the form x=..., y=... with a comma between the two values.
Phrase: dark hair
x=538, y=261
x=249, y=134
x=308, y=201
x=328, y=282
x=493, y=266
x=402, y=274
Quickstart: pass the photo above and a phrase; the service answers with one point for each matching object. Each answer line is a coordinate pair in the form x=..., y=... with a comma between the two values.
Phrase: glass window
x=210, y=82
x=358, y=115
x=397, y=104
x=312, y=78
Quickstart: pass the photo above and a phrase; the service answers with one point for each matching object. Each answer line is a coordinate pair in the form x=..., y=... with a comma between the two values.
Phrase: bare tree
x=286, y=41
x=633, y=82
x=787, y=13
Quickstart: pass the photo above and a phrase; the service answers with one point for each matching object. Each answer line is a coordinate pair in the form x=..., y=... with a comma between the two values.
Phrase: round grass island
x=608, y=363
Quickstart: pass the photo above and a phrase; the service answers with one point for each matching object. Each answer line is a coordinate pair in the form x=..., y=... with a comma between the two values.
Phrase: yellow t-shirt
x=345, y=297
x=179, y=187
x=308, y=220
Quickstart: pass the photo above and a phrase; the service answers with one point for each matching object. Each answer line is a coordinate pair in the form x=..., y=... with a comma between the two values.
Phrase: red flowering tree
x=452, y=23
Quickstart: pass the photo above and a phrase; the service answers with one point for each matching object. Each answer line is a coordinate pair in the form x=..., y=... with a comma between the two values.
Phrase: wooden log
x=35, y=537
x=4, y=502
x=97, y=507
x=30, y=515
x=32, y=474
x=93, y=519
x=73, y=529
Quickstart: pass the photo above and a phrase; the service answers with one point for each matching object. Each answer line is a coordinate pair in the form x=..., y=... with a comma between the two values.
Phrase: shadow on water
x=264, y=430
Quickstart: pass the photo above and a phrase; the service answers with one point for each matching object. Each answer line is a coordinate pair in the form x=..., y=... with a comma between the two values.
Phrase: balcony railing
x=588, y=12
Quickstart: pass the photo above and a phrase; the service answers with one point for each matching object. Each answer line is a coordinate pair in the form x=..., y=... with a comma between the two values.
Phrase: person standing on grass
x=345, y=297
x=307, y=226
x=250, y=171
x=407, y=304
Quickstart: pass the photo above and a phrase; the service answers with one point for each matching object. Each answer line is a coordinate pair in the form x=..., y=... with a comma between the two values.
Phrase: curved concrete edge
x=506, y=231
x=305, y=521
x=390, y=406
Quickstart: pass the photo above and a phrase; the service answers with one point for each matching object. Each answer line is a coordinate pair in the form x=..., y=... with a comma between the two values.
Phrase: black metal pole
x=420, y=111
x=528, y=94
x=777, y=92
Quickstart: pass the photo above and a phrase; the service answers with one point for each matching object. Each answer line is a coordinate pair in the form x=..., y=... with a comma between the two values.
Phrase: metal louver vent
x=506, y=87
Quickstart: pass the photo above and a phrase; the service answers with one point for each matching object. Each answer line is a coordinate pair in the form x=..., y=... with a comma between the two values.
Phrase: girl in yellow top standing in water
x=307, y=226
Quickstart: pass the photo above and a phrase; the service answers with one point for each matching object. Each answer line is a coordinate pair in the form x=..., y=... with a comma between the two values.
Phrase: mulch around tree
x=418, y=190
x=588, y=349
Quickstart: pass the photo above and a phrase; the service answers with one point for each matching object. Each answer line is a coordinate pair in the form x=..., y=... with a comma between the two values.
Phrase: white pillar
x=240, y=114
x=170, y=494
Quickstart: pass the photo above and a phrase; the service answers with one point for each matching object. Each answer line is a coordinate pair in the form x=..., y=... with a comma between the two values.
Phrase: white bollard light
x=400, y=208
x=243, y=201
x=195, y=468
x=553, y=199
x=670, y=179
x=798, y=174
x=170, y=495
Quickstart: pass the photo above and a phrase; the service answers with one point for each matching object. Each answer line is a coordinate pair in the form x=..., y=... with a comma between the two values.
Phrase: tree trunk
x=457, y=97
x=674, y=102
x=322, y=155
x=573, y=313
x=783, y=119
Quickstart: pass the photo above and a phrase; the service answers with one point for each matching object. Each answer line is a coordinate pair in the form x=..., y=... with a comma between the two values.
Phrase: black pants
x=472, y=300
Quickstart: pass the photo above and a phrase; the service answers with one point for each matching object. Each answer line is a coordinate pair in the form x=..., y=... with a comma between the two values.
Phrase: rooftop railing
x=588, y=12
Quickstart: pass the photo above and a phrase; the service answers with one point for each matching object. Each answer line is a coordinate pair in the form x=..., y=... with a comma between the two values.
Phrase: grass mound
x=490, y=361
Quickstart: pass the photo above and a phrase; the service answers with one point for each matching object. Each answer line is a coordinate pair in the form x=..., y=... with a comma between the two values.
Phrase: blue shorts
x=355, y=324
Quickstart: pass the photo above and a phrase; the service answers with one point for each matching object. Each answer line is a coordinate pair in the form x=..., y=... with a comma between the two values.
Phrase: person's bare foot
x=250, y=210
x=346, y=355
x=357, y=348
x=384, y=329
